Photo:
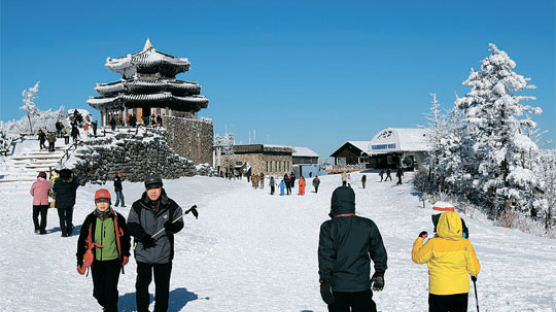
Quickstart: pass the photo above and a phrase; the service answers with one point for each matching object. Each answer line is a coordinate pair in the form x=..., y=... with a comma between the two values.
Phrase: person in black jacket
x=346, y=244
x=118, y=190
x=105, y=229
x=152, y=213
x=65, y=189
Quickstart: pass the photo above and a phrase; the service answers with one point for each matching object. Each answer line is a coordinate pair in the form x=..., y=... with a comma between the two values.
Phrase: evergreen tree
x=493, y=136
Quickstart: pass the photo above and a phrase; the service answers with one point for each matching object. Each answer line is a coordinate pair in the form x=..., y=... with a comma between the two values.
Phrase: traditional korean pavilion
x=148, y=88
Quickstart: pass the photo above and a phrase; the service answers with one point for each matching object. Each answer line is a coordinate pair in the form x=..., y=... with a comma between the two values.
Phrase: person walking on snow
x=316, y=183
x=347, y=243
x=65, y=189
x=450, y=259
x=40, y=190
x=66, y=133
x=152, y=212
x=381, y=174
x=388, y=172
x=399, y=175
x=51, y=138
x=302, y=185
x=287, y=180
x=344, y=178
x=42, y=139
x=272, y=185
x=107, y=230
x=118, y=190
x=364, y=180
x=282, y=186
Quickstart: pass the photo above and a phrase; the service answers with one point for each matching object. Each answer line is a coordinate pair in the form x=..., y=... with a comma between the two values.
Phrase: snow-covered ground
x=250, y=251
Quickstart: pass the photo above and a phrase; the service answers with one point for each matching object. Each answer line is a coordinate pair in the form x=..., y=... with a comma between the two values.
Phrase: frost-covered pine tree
x=493, y=134
x=546, y=173
x=29, y=96
x=445, y=157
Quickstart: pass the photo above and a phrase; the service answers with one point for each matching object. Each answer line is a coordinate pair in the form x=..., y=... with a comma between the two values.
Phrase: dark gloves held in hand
x=473, y=278
x=423, y=234
x=148, y=242
x=377, y=281
x=326, y=292
x=172, y=227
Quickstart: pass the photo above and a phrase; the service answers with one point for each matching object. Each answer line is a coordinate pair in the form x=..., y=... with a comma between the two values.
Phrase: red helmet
x=102, y=194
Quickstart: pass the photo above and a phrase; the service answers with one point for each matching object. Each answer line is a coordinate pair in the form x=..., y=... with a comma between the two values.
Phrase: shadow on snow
x=179, y=298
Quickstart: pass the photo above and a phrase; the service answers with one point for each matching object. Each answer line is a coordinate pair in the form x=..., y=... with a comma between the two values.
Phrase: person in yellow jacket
x=450, y=259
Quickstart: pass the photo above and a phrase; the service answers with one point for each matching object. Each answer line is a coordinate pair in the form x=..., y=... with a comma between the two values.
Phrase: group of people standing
x=348, y=243
x=63, y=192
x=105, y=241
x=399, y=175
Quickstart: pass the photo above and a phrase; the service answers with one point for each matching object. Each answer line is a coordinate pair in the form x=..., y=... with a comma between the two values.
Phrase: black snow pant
x=288, y=190
x=105, y=283
x=162, y=274
x=66, y=140
x=399, y=181
x=66, y=215
x=316, y=189
x=272, y=190
x=448, y=303
x=42, y=209
x=353, y=301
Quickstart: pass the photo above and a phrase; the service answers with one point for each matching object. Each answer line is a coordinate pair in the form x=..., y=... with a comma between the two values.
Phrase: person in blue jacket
x=282, y=186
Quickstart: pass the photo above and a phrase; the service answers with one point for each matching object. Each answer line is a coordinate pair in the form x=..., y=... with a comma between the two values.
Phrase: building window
x=279, y=166
x=288, y=165
x=267, y=166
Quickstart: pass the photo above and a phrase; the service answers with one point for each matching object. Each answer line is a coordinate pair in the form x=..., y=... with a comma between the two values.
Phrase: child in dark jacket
x=104, y=245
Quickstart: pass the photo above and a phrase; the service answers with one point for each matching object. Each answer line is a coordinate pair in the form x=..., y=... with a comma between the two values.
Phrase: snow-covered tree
x=546, y=173
x=445, y=162
x=29, y=96
x=494, y=133
x=226, y=144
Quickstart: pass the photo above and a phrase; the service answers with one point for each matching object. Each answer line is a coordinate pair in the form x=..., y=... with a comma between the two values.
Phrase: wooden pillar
x=102, y=118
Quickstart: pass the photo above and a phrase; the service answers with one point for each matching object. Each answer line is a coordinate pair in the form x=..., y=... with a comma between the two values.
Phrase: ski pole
x=474, y=279
x=193, y=209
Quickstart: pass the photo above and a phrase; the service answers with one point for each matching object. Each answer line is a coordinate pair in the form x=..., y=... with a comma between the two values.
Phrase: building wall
x=305, y=160
x=190, y=138
x=278, y=164
x=350, y=153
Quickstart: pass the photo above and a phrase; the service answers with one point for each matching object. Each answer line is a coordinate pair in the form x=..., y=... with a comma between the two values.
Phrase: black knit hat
x=153, y=180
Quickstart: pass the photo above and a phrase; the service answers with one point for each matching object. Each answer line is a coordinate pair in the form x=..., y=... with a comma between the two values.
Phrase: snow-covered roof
x=147, y=57
x=299, y=151
x=139, y=84
x=400, y=140
x=166, y=97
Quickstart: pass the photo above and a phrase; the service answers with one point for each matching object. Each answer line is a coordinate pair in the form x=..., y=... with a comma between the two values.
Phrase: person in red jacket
x=40, y=192
x=104, y=244
x=301, y=185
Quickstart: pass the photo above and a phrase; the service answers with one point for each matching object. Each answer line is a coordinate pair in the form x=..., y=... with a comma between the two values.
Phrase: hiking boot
x=42, y=232
x=37, y=231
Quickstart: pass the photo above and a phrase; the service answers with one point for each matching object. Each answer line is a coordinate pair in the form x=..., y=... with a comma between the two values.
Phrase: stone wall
x=190, y=138
x=134, y=155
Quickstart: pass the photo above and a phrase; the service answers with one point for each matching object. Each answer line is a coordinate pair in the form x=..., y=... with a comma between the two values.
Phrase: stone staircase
x=25, y=167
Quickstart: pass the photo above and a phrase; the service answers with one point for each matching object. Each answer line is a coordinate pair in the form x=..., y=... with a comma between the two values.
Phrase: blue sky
x=303, y=73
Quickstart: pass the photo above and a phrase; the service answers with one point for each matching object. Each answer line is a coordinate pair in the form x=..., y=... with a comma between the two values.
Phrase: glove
x=81, y=269
x=172, y=227
x=326, y=292
x=148, y=242
x=125, y=260
x=423, y=235
x=377, y=281
x=473, y=278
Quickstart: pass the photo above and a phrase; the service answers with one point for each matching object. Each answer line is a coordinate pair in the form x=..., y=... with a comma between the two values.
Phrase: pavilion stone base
x=99, y=159
x=190, y=138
